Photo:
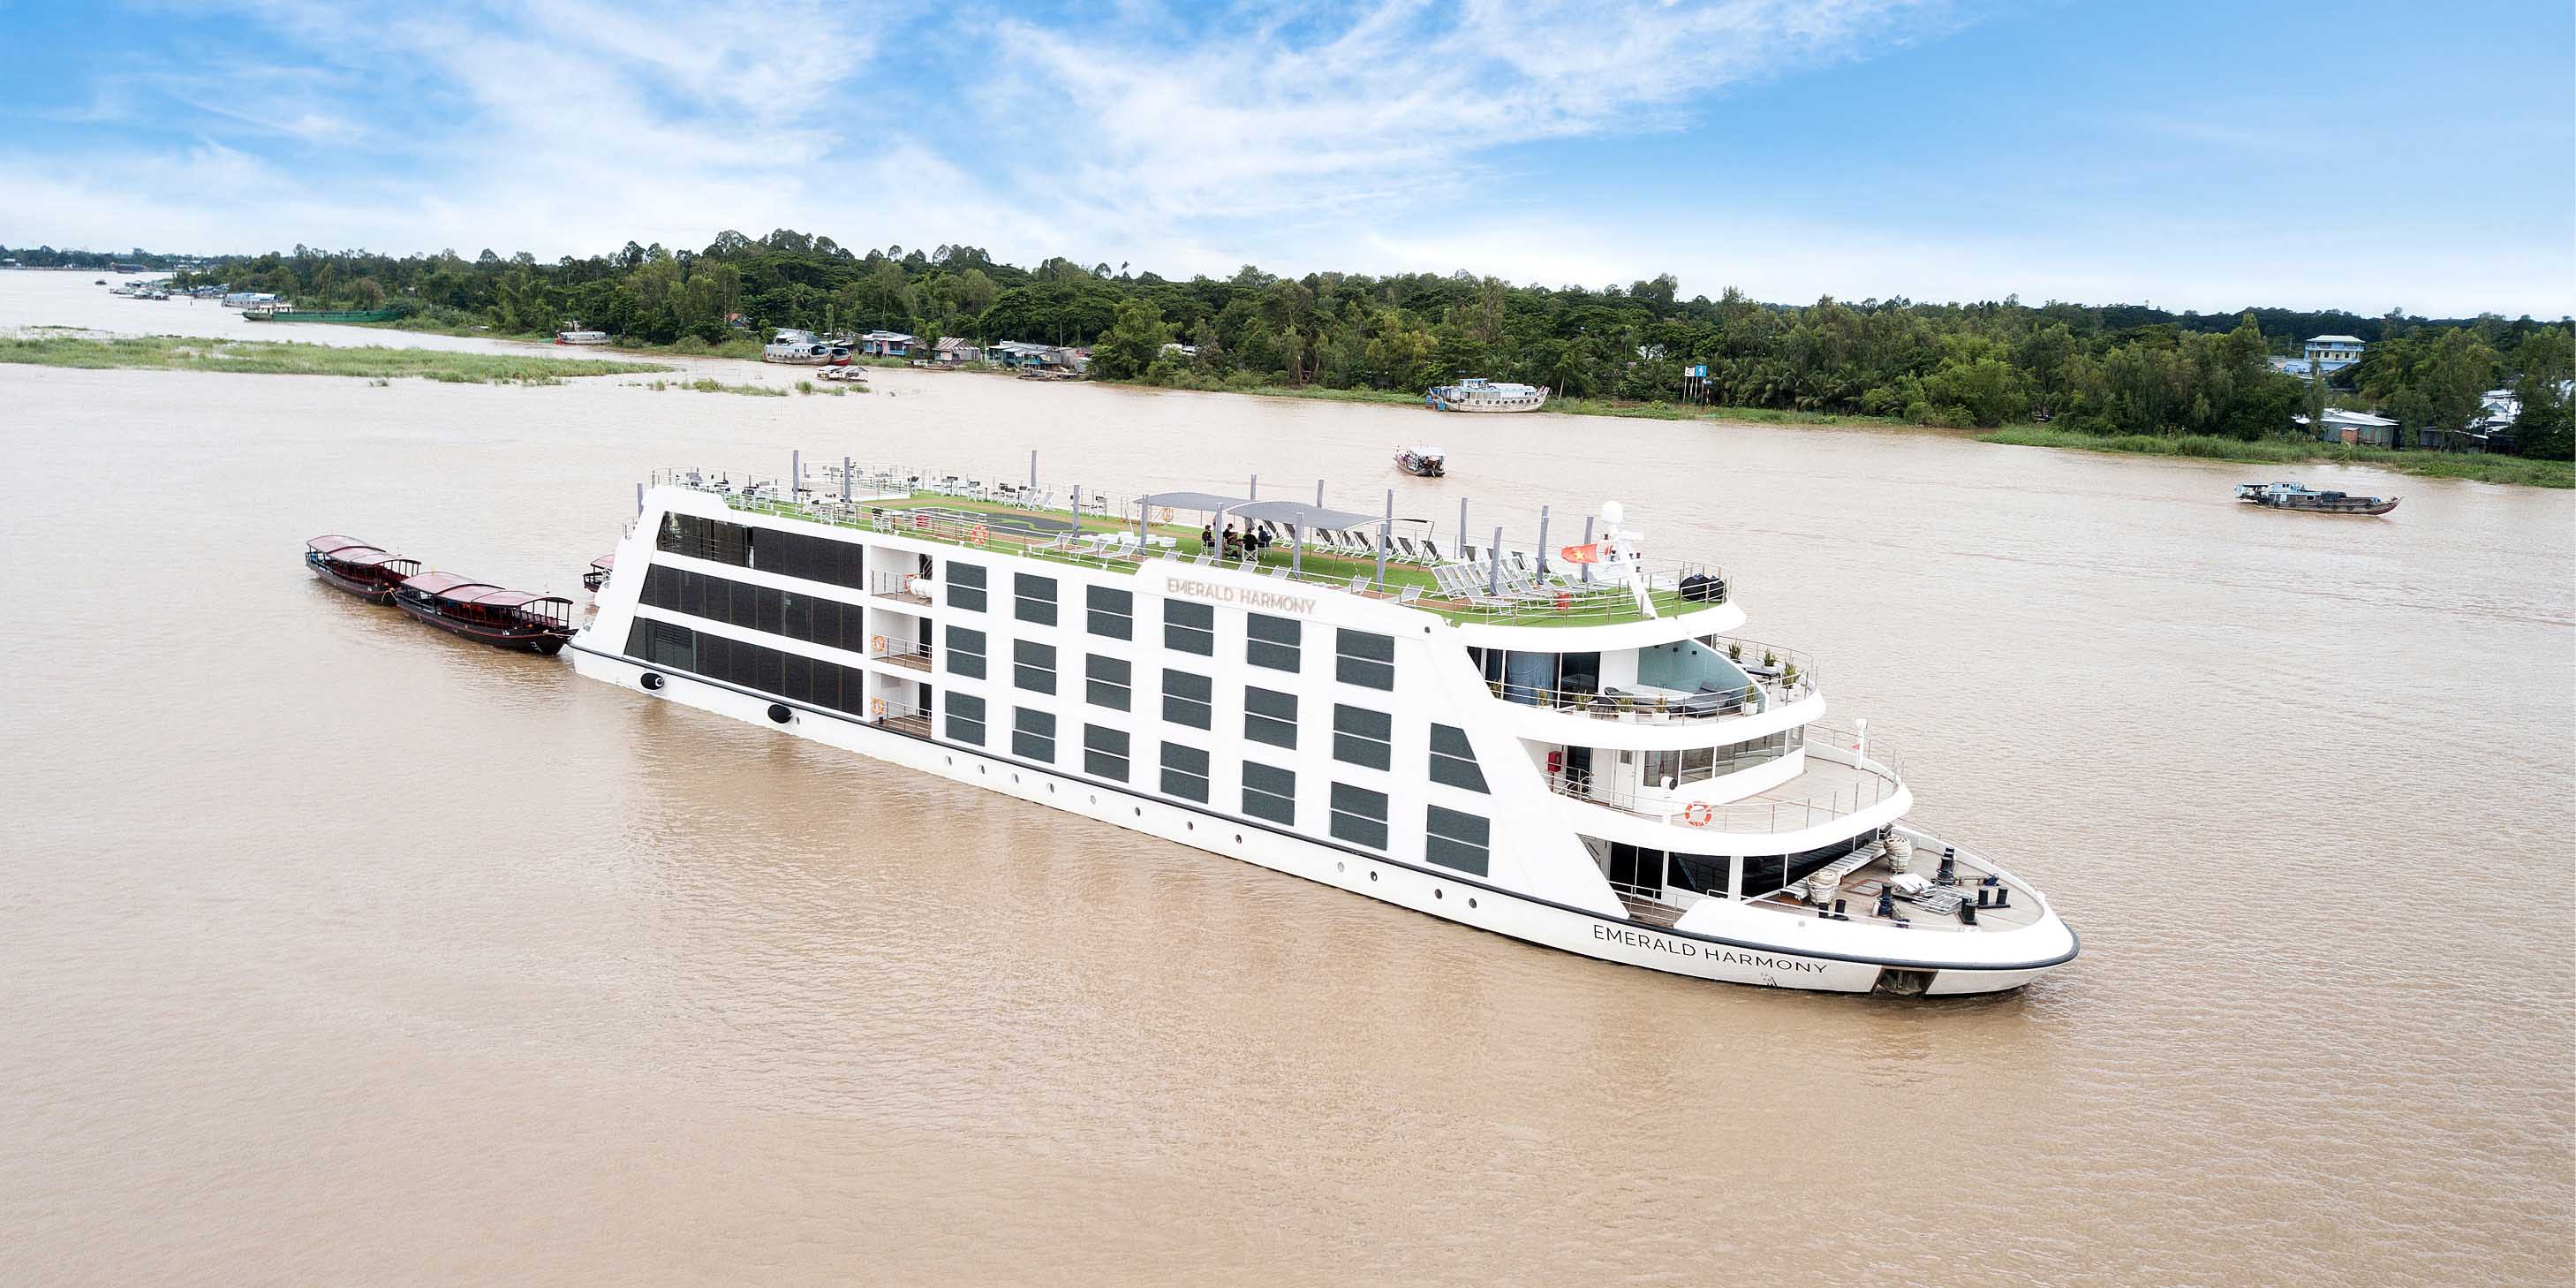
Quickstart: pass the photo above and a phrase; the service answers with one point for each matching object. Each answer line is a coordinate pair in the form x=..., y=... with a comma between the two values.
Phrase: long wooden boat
x=485, y=613
x=2295, y=496
x=358, y=568
x=596, y=576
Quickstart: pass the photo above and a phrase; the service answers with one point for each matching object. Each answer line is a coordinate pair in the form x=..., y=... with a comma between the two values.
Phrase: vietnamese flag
x=1583, y=554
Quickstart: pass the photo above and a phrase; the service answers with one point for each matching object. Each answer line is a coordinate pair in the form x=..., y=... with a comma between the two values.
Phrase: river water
x=338, y=950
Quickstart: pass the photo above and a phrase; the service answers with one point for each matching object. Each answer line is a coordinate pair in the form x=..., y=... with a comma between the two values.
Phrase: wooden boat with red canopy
x=596, y=576
x=479, y=610
x=358, y=568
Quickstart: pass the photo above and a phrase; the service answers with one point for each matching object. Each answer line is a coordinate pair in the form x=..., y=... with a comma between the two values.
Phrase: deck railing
x=1099, y=538
x=1764, y=812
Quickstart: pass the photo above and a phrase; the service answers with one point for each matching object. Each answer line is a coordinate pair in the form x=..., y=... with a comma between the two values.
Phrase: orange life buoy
x=1699, y=814
x=980, y=535
x=876, y=706
x=876, y=644
x=920, y=521
x=1164, y=515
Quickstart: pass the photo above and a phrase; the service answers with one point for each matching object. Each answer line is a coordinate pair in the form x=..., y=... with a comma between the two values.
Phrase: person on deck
x=1207, y=536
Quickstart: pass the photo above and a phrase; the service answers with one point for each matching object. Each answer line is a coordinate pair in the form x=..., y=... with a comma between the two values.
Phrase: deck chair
x=1411, y=593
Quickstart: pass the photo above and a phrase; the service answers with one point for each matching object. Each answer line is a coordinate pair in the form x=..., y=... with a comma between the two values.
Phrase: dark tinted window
x=1365, y=659
x=1189, y=627
x=1270, y=793
x=1112, y=612
x=1033, y=666
x=1271, y=641
x=1036, y=598
x=1359, y=816
x=1270, y=716
x=1185, y=772
x=966, y=718
x=965, y=652
x=966, y=585
x=1363, y=737
x=1187, y=699
x=1104, y=752
x=1033, y=734
x=1108, y=682
x=1455, y=840
x=1452, y=761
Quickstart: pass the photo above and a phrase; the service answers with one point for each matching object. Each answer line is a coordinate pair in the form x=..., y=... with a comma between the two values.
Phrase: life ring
x=877, y=707
x=1163, y=515
x=876, y=644
x=920, y=522
x=1699, y=814
x=979, y=534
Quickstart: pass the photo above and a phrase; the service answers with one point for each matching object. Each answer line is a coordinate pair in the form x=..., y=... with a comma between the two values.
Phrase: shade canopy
x=1301, y=515
x=325, y=545
x=1202, y=501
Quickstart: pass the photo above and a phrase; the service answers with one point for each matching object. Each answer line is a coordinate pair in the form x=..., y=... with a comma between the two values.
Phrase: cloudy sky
x=2356, y=155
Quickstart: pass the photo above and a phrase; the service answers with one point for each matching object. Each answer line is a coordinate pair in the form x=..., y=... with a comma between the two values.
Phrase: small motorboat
x=596, y=575
x=358, y=568
x=2298, y=496
x=485, y=613
x=1423, y=462
x=573, y=333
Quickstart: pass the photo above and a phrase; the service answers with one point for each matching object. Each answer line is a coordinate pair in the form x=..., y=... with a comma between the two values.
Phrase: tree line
x=2114, y=369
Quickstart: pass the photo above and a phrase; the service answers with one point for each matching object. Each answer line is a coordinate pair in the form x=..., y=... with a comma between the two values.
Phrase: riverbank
x=2515, y=470
x=1564, y=406
x=739, y=347
x=295, y=358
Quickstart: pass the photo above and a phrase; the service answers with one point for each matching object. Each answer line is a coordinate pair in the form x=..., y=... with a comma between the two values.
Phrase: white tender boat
x=1477, y=394
x=1423, y=462
x=573, y=333
x=804, y=349
x=1570, y=746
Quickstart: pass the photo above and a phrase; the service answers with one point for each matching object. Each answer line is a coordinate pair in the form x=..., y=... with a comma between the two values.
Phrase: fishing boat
x=1565, y=745
x=483, y=612
x=2297, y=496
x=804, y=349
x=1477, y=394
x=1423, y=462
x=596, y=576
x=358, y=568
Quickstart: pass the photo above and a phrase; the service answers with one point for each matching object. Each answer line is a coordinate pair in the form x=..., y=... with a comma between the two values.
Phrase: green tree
x=1133, y=342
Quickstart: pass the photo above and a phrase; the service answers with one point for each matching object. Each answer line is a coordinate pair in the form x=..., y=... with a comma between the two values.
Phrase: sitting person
x=1207, y=536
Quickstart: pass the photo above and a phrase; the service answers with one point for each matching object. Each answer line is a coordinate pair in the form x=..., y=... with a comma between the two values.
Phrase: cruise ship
x=1570, y=745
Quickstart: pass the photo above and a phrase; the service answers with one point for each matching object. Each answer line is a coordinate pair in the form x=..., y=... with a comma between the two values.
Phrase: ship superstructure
x=1570, y=745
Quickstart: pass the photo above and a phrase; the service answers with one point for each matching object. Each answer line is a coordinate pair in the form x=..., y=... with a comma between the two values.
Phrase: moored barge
x=488, y=614
x=349, y=564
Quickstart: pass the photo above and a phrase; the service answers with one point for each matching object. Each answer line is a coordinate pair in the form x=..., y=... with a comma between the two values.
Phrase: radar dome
x=1613, y=514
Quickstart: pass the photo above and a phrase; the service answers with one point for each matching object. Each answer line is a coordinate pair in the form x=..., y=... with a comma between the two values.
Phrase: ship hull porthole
x=779, y=714
x=652, y=680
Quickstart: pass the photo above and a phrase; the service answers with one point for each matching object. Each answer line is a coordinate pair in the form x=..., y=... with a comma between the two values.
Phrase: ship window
x=1189, y=628
x=1108, y=682
x=1452, y=761
x=965, y=652
x=1363, y=737
x=1270, y=716
x=1188, y=700
x=966, y=718
x=1033, y=666
x=662, y=587
x=1271, y=641
x=1365, y=659
x=1112, y=612
x=693, y=594
x=1270, y=793
x=795, y=616
x=710, y=539
x=966, y=585
x=1036, y=598
x=1185, y=772
x=1359, y=816
x=1033, y=734
x=671, y=646
x=1104, y=752
x=1455, y=840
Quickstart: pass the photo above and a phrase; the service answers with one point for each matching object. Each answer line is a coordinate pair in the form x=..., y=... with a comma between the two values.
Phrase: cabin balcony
x=903, y=588
x=1828, y=788
x=908, y=654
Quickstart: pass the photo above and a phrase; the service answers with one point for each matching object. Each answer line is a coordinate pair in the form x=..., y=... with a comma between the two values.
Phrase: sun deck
x=1464, y=582
x=1859, y=898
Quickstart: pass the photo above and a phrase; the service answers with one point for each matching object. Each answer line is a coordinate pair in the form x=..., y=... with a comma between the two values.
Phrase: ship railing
x=1525, y=591
x=1763, y=812
x=1784, y=677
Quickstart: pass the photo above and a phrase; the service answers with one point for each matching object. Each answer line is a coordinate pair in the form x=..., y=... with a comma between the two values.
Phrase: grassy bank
x=2440, y=465
x=685, y=347
x=292, y=358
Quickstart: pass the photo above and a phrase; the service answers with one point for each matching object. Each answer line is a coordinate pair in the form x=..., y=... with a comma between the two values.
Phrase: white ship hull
x=1546, y=879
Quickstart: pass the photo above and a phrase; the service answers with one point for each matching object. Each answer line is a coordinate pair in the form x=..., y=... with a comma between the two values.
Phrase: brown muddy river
x=340, y=951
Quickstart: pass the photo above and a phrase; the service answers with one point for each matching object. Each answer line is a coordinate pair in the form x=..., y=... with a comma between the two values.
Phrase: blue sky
x=2354, y=155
